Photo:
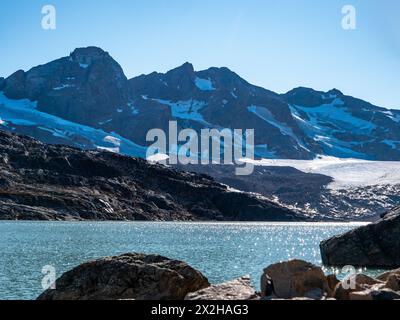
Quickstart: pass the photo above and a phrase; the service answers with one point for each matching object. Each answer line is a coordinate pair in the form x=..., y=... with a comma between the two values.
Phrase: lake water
x=221, y=251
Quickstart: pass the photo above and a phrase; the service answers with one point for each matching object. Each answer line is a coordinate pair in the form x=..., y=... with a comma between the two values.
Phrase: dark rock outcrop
x=373, y=245
x=42, y=182
x=129, y=276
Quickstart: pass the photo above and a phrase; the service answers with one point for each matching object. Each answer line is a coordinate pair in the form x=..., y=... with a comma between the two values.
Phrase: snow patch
x=188, y=110
x=63, y=86
x=158, y=157
x=264, y=114
x=105, y=122
x=204, y=84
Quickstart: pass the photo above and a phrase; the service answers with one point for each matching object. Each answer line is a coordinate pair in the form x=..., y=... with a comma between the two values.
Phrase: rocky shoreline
x=151, y=277
x=136, y=276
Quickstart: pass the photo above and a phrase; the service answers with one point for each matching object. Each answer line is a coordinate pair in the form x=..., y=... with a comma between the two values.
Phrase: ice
x=158, y=157
x=204, y=84
x=347, y=173
x=63, y=86
x=24, y=113
x=188, y=110
x=266, y=115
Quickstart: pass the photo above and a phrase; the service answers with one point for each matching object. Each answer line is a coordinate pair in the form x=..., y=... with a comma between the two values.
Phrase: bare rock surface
x=373, y=245
x=239, y=289
x=53, y=182
x=295, y=278
x=129, y=276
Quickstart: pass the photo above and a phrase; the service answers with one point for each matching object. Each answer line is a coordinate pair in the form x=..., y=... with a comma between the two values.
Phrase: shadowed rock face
x=53, y=182
x=85, y=87
x=129, y=276
x=374, y=245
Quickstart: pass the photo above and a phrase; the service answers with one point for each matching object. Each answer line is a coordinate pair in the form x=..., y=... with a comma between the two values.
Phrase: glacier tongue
x=347, y=173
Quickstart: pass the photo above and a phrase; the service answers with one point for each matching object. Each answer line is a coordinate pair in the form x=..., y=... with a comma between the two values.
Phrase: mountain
x=84, y=100
x=89, y=88
x=54, y=182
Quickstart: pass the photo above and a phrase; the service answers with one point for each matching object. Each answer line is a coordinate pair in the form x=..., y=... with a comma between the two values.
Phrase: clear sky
x=275, y=44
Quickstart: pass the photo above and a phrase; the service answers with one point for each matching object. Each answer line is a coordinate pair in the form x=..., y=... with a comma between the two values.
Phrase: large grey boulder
x=373, y=245
x=239, y=289
x=295, y=278
x=129, y=276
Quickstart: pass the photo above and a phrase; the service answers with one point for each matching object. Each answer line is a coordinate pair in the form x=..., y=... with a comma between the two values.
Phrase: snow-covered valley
x=346, y=173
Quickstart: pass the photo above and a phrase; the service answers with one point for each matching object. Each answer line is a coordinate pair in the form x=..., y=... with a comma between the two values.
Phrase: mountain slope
x=84, y=100
x=39, y=181
x=345, y=126
x=88, y=87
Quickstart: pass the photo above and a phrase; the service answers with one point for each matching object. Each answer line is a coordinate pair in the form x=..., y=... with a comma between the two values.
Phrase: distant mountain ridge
x=88, y=88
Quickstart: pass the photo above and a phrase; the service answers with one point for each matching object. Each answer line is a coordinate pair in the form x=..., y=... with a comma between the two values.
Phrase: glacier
x=23, y=113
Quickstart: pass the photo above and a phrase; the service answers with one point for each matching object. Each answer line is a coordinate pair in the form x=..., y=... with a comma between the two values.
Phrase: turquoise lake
x=221, y=251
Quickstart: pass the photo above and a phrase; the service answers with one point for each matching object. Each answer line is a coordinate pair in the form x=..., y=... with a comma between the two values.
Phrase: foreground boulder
x=362, y=287
x=374, y=245
x=239, y=289
x=354, y=284
x=129, y=276
x=295, y=278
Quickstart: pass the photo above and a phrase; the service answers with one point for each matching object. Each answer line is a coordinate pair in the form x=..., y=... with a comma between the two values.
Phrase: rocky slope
x=39, y=181
x=374, y=245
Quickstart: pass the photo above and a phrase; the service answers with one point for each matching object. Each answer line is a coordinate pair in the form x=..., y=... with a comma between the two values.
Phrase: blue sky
x=275, y=44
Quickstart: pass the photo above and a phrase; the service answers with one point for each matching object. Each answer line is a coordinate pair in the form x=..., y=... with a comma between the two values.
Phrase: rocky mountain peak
x=88, y=55
x=223, y=76
x=309, y=97
x=335, y=92
x=186, y=69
